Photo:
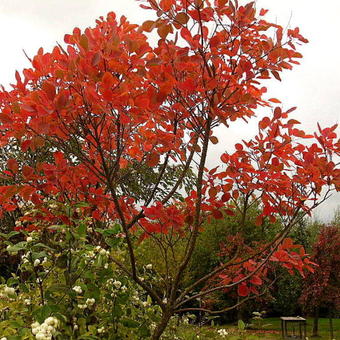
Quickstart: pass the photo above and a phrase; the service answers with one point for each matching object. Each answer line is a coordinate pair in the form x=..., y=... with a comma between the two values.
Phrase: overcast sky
x=314, y=86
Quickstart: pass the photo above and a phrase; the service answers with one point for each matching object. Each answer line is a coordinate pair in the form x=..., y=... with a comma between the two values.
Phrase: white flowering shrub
x=67, y=286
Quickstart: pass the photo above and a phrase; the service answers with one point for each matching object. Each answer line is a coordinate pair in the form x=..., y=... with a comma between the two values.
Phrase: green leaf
x=144, y=331
x=81, y=230
x=9, y=235
x=81, y=205
x=241, y=325
x=62, y=261
x=42, y=245
x=17, y=247
x=58, y=288
x=130, y=323
x=39, y=255
x=42, y=313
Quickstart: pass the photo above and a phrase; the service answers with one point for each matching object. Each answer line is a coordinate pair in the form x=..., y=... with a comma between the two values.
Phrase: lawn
x=270, y=332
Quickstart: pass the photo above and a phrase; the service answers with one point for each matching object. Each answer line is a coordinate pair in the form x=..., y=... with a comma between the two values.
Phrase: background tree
x=322, y=288
x=108, y=101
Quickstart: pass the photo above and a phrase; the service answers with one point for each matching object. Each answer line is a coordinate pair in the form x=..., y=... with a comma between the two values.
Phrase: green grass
x=270, y=332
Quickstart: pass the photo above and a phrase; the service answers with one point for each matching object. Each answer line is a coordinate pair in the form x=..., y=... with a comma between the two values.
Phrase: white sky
x=314, y=86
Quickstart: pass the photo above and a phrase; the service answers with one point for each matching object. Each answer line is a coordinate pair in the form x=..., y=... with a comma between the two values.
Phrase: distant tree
x=322, y=288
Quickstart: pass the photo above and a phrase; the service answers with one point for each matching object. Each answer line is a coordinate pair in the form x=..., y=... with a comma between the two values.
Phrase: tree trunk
x=315, y=331
x=331, y=329
x=160, y=328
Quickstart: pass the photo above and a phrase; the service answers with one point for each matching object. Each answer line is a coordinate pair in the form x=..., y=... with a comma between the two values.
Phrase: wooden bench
x=301, y=323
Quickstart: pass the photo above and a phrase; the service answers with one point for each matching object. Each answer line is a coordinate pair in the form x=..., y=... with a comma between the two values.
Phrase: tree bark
x=160, y=328
x=331, y=328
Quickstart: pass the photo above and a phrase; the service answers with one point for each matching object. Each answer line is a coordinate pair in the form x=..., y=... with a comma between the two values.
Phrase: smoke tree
x=108, y=105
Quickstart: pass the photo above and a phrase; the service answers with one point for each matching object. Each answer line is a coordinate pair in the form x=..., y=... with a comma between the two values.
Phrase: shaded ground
x=271, y=330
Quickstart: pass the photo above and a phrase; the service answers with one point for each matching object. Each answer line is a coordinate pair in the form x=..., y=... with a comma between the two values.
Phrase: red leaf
x=265, y=122
x=243, y=290
x=148, y=25
x=293, y=121
x=225, y=158
x=239, y=147
x=217, y=214
x=12, y=165
x=182, y=18
x=230, y=212
x=153, y=159
x=49, y=89
x=274, y=100
x=96, y=215
x=225, y=197
x=276, y=75
x=107, y=80
x=9, y=207
x=164, y=30
x=263, y=11
x=256, y=280
x=259, y=220
x=185, y=34
x=25, y=145
x=213, y=139
x=165, y=5
x=96, y=59
x=27, y=171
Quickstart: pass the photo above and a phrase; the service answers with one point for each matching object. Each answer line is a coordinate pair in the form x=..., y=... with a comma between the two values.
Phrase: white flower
x=148, y=266
x=82, y=306
x=35, y=324
x=186, y=320
x=106, y=265
x=10, y=291
x=44, y=327
x=27, y=302
x=41, y=336
x=50, y=329
x=90, y=302
x=103, y=252
x=36, y=263
x=29, y=239
x=77, y=289
x=165, y=300
x=75, y=326
x=257, y=313
x=51, y=321
x=3, y=338
x=145, y=303
x=101, y=330
x=35, y=331
x=222, y=332
x=124, y=289
x=117, y=284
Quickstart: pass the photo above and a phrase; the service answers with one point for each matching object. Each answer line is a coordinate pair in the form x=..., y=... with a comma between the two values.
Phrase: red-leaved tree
x=108, y=104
